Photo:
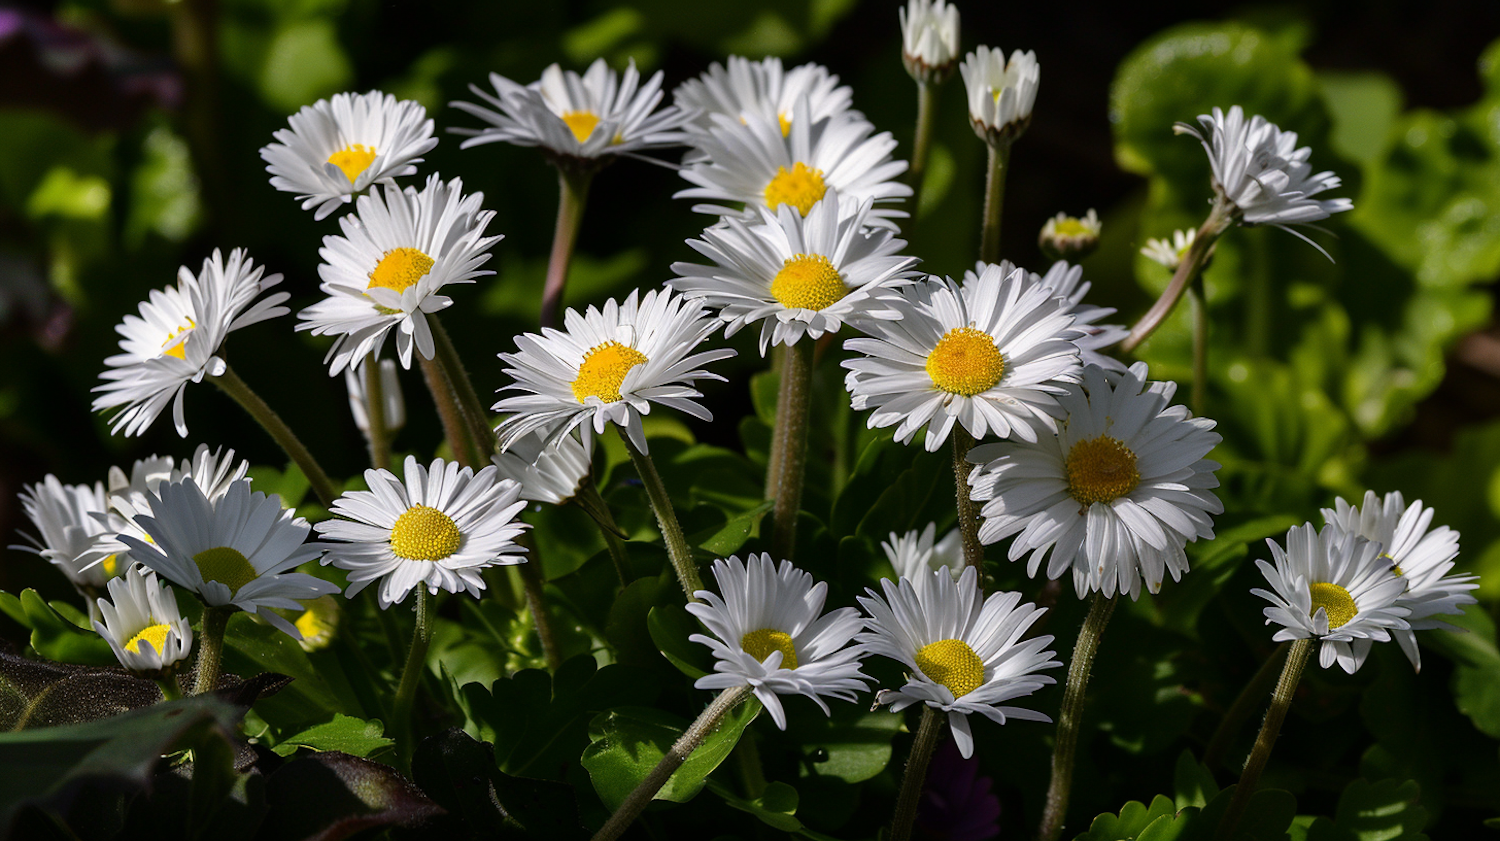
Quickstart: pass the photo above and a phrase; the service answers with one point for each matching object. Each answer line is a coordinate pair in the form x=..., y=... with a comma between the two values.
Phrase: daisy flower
x=1420, y=557
x=69, y=519
x=797, y=275
x=236, y=551
x=991, y=355
x=340, y=147
x=1065, y=281
x=964, y=652
x=441, y=527
x=609, y=366
x=741, y=88
x=178, y=336
x=1001, y=93
x=750, y=162
x=929, y=39
x=1334, y=586
x=385, y=273
x=143, y=625
x=1114, y=495
x=1170, y=251
x=392, y=402
x=584, y=118
x=915, y=554
x=552, y=474
x=770, y=633
x=1065, y=237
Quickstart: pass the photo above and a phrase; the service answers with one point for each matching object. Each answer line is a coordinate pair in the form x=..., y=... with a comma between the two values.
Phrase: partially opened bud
x=929, y=40
x=1070, y=238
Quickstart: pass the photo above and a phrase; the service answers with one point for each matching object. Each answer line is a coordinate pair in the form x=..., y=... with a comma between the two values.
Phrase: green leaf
x=348, y=734
x=1476, y=678
x=251, y=648
x=627, y=742
x=57, y=638
x=334, y=795
x=853, y=744
x=727, y=539
x=1385, y=810
x=776, y=807
x=1131, y=821
x=670, y=626
x=304, y=61
x=1193, y=783
x=453, y=769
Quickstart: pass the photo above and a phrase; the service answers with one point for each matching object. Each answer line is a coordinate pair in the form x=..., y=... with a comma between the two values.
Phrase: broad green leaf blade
x=348, y=734
x=629, y=741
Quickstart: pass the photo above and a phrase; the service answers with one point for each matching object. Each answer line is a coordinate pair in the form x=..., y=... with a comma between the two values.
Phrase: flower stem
x=458, y=379
x=230, y=383
x=1199, y=304
x=573, y=193
x=1244, y=704
x=921, y=146
x=792, y=407
x=378, y=436
x=411, y=674
x=1071, y=716
x=170, y=689
x=666, y=517
x=637, y=800
x=1281, y=701
x=916, y=773
x=211, y=648
x=532, y=583
x=592, y=502
x=1188, y=270
x=968, y=511
x=457, y=432
x=994, y=202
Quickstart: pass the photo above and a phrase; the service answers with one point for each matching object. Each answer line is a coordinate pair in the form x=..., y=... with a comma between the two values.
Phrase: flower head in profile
x=915, y=553
x=178, y=336
x=1065, y=280
x=142, y=624
x=337, y=148
x=70, y=523
x=770, y=633
x=1332, y=586
x=1065, y=237
x=552, y=474
x=1170, y=251
x=741, y=88
x=963, y=652
x=440, y=528
x=929, y=40
x=1001, y=93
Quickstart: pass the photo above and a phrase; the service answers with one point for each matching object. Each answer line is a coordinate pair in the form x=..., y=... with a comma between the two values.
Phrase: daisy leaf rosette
x=742, y=88
x=916, y=553
x=964, y=652
x=929, y=39
x=770, y=633
x=798, y=276
x=608, y=366
x=1001, y=93
x=440, y=527
x=236, y=551
x=1065, y=281
x=992, y=355
x=386, y=273
x=70, y=523
x=142, y=624
x=1114, y=495
x=339, y=147
x=552, y=474
x=1332, y=586
x=178, y=336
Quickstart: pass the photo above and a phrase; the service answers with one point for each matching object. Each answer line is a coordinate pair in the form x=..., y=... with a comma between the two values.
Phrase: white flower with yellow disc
x=1065, y=280
x=916, y=553
x=1169, y=251
x=339, y=147
x=963, y=652
x=741, y=87
x=70, y=522
x=142, y=624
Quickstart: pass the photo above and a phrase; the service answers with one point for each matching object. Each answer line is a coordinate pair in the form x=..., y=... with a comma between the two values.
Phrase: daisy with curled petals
x=608, y=366
x=388, y=269
x=991, y=356
x=1066, y=282
x=553, y=474
x=70, y=522
x=1335, y=587
x=1113, y=496
x=915, y=554
x=440, y=528
x=1001, y=93
x=142, y=623
x=770, y=633
x=178, y=336
x=339, y=147
x=964, y=652
x=1418, y=556
x=797, y=275
x=741, y=87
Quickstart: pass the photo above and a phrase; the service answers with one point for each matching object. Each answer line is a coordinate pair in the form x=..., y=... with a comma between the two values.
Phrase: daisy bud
x=1001, y=93
x=1067, y=237
x=929, y=40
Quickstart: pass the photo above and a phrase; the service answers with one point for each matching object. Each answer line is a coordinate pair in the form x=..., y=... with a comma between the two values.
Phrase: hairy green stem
x=793, y=404
x=916, y=773
x=1281, y=701
x=994, y=201
x=463, y=388
x=1188, y=269
x=1244, y=704
x=592, y=502
x=1199, y=303
x=532, y=583
x=230, y=383
x=573, y=193
x=968, y=510
x=411, y=674
x=211, y=647
x=459, y=434
x=1069, y=718
x=678, y=550
x=921, y=147
x=378, y=436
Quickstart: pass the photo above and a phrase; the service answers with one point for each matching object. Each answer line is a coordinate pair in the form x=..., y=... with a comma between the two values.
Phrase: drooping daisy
x=754, y=164
x=1420, y=557
x=1114, y=495
x=339, y=147
x=440, y=528
x=388, y=269
x=609, y=366
x=1066, y=282
x=770, y=632
x=1169, y=252
x=392, y=402
x=1333, y=586
x=1001, y=93
x=547, y=474
x=915, y=554
x=964, y=652
x=178, y=336
x=1065, y=237
x=69, y=519
x=584, y=118
x=740, y=88
x=236, y=551
x=797, y=275
x=991, y=355
x=142, y=623
x=929, y=39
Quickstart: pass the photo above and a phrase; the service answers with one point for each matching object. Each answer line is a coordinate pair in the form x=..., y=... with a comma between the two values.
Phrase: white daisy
x=797, y=275
x=1001, y=93
x=1065, y=281
x=1419, y=557
x=741, y=88
x=441, y=527
x=750, y=162
x=991, y=355
x=584, y=117
x=1334, y=586
x=235, y=551
x=929, y=39
x=547, y=474
x=143, y=625
x=1065, y=237
x=387, y=271
x=915, y=554
x=964, y=653
x=609, y=366
x=1114, y=495
x=178, y=336
x=1169, y=252
x=70, y=525
x=770, y=633
x=390, y=394
x=339, y=147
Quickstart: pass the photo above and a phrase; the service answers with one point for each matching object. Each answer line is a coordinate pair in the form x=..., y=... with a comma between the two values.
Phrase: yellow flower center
x=965, y=361
x=953, y=664
x=425, y=534
x=604, y=369
x=176, y=343
x=809, y=282
x=111, y=565
x=400, y=268
x=156, y=635
x=760, y=644
x=1071, y=227
x=1335, y=600
x=799, y=187
x=225, y=565
x=315, y=630
x=1101, y=470
x=785, y=120
x=581, y=123
x=353, y=159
